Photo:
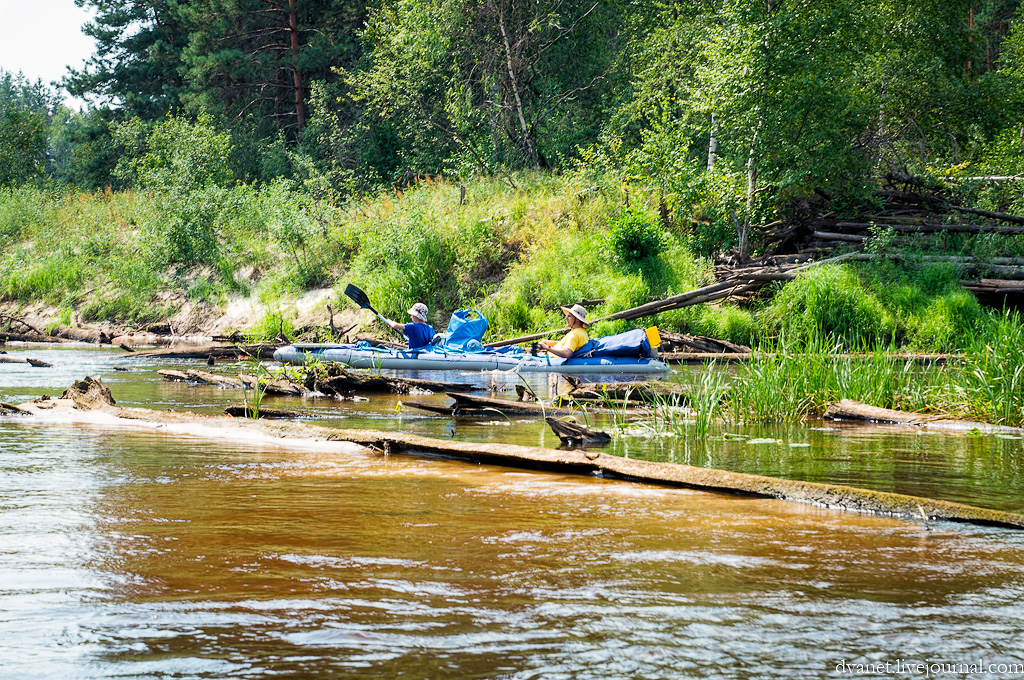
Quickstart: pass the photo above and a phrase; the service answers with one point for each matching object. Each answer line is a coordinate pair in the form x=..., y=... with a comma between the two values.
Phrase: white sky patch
x=41, y=38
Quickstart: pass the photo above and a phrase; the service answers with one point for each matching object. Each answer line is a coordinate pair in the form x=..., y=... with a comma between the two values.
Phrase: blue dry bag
x=465, y=333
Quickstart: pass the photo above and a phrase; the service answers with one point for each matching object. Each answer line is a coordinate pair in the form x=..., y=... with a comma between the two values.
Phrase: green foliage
x=176, y=154
x=634, y=238
x=272, y=327
x=828, y=302
x=22, y=145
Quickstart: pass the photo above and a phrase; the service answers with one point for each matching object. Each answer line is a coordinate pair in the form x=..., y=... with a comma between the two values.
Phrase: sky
x=41, y=38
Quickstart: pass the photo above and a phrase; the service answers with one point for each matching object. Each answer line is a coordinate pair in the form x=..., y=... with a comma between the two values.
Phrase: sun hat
x=578, y=311
x=418, y=310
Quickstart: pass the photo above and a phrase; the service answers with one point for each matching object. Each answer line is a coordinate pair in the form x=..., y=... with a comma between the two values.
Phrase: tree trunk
x=527, y=139
x=744, y=233
x=713, y=142
x=300, y=98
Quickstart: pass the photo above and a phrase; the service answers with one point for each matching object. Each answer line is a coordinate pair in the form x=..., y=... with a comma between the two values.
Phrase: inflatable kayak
x=364, y=356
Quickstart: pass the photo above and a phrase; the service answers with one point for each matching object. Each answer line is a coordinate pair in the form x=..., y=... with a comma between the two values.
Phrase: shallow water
x=126, y=554
x=135, y=555
x=979, y=470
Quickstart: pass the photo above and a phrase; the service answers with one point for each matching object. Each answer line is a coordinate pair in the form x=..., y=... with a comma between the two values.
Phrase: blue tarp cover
x=632, y=343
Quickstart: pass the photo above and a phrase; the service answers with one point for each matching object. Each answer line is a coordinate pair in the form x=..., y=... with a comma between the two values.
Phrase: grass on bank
x=516, y=255
x=987, y=384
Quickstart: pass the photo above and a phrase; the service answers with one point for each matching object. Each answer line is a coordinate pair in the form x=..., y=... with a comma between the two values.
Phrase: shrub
x=828, y=301
x=635, y=237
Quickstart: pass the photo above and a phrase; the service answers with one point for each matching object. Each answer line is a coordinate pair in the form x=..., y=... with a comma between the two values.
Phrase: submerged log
x=848, y=409
x=19, y=360
x=268, y=413
x=472, y=405
x=674, y=474
x=336, y=379
x=573, y=435
x=277, y=386
x=577, y=462
x=206, y=351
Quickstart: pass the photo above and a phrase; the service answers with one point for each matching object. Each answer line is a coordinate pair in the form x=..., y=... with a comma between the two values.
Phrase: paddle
x=358, y=296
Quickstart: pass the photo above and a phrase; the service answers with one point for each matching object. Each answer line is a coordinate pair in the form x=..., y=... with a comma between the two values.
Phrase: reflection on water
x=137, y=555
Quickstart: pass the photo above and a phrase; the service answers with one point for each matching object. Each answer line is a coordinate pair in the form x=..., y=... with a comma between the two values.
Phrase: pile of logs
x=916, y=217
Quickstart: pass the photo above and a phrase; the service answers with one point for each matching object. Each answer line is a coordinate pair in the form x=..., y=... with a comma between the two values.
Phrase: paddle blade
x=359, y=297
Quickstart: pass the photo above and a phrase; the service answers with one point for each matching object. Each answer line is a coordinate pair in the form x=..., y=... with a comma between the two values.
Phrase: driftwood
x=671, y=342
x=6, y=337
x=574, y=435
x=206, y=351
x=336, y=379
x=847, y=409
x=268, y=413
x=935, y=228
x=471, y=405
x=651, y=391
x=89, y=394
x=32, y=362
x=10, y=410
x=278, y=386
x=81, y=335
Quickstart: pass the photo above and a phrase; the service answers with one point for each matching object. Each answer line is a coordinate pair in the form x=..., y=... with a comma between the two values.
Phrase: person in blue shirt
x=419, y=332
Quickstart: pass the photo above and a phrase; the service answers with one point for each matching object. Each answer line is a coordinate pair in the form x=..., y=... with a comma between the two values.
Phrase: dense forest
x=464, y=152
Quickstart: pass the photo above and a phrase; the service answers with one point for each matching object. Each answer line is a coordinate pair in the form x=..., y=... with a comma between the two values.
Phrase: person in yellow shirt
x=576, y=320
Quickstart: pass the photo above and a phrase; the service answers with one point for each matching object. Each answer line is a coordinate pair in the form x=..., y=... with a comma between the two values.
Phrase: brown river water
x=132, y=554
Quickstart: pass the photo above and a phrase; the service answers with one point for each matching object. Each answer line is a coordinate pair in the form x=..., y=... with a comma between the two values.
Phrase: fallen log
x=206, y=351
x=994, y=286
x=275, y=387
x=697, y=343
x=297, y=435
x=1015, y=219
x=648, y=392
x=336, y=379
x=936, y=228
x=31, y=362
x=471, y=405
x=81, y=335
x=848, y=409
x=269, y=413
x=574, y=435
x=710, y=293
x=6, y=337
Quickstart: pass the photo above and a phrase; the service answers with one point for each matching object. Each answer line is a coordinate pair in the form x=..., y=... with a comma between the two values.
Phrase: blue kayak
x=363, y=356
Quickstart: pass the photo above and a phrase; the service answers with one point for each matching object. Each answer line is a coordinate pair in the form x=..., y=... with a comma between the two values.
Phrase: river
x=130, y=554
